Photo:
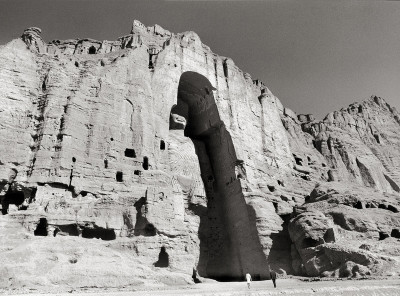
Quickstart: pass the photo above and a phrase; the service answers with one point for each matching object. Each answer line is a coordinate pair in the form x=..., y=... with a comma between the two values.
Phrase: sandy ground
x=285, y=287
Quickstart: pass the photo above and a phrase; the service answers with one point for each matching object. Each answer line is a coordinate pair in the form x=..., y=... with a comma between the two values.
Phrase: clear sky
x=315, y=55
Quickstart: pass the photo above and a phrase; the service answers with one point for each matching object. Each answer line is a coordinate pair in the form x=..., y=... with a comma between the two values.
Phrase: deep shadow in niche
x=41, y=228
x=67, y=229
x=92, y=50
x=11, y=196
x=98, y=232
x=145, y=163
x=163, y=258
x=230, y=240
x=142, y=226
x=203, y=234
x=162, y=145
x=395, y=233
x=119, y=176
x=130, y=153
x=280, y=254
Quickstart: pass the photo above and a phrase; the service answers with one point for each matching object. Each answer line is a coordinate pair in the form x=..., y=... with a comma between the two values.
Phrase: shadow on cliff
x=204, y=229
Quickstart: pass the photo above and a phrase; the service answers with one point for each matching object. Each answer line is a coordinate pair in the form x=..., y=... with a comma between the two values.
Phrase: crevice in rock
x=392, y=183
x=368, y=180
x=280, y=254
x=38, y=122
x=152, y=57
x=71, y=174
x=225, y=67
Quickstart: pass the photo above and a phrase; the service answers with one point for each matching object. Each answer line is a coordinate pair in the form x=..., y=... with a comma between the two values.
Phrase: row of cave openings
x=130, y=153
x=370, y=205
x=90, y=232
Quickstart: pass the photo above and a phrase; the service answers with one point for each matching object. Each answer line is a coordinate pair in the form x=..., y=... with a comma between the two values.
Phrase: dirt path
x=285, y=287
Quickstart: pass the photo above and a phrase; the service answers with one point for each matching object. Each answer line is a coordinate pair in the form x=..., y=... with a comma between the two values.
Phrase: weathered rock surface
x=172, y=157
x=346, y=230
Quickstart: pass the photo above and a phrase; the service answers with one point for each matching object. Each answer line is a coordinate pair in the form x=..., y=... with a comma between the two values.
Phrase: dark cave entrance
x=229, y=246
x=163, y=258
x=41, y=228
x=280, y=254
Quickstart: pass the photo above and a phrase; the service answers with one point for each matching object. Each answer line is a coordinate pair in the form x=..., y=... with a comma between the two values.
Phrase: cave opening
x=329, y=236
x=280, y=256
x=92, y=50
x=130, y=153
x=231, y=247
x=298, y=160
x=358, y=205
x=41, y=228
x=98, y=232
x=119, y=176
x=309, y=242
x=395, y=233
x=145, y=163
x=163, y=258
x=67, y=229
x=383, y=235
x=162, y=145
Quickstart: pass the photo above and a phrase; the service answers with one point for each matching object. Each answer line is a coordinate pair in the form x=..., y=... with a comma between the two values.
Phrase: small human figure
x=272, y=273
x=248, y=279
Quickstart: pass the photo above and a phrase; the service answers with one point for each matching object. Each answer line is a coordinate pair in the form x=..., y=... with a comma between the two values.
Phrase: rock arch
x=229, y=246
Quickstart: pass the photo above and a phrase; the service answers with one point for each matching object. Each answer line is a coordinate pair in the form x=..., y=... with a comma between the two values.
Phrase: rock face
x=346, y=230
x=169, y=155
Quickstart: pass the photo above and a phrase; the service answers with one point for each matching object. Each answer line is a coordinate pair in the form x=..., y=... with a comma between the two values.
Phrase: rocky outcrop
x=165, y=152
x=346, y=230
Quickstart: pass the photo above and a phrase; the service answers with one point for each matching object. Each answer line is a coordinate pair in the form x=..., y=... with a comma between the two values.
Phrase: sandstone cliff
x=174, y=159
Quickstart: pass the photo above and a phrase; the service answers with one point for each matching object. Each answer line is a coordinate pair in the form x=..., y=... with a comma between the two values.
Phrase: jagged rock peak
x=33, y=30
x=138, y=27
x=33, y=40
